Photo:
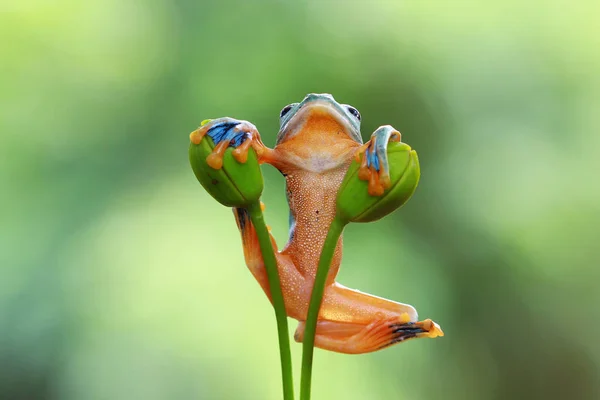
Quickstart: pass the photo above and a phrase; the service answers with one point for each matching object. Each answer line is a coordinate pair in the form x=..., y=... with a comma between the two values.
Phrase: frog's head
x=319, y=115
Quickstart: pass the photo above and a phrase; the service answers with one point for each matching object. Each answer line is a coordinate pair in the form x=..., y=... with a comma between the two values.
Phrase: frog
x=317, y=141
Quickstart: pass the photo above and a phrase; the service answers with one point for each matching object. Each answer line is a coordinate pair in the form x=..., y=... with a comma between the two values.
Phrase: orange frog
x=317, y=141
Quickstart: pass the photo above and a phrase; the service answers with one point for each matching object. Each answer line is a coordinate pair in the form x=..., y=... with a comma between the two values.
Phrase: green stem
x=335, y=231
x=266, y=249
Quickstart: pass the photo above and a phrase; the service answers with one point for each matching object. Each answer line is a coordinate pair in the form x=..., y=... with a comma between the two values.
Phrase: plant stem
x=266, y=249
x=335, y=231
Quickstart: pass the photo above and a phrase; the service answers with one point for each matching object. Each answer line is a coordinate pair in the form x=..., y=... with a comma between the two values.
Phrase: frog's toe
x=374, y=166
x=225, y=133
x=422, y=329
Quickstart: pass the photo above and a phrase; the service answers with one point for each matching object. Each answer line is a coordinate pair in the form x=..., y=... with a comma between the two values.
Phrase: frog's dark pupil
x=354, y=112
x=285, y=110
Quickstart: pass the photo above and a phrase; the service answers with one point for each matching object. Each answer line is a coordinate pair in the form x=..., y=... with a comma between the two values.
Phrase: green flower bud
x=355, y=204
x=233, y=183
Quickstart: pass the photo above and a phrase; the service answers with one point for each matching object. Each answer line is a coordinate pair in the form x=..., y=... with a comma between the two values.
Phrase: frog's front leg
x=374, y=165
x=229, y=132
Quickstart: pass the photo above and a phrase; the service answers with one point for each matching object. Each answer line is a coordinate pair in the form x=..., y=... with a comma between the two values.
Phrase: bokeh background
x=120, y=278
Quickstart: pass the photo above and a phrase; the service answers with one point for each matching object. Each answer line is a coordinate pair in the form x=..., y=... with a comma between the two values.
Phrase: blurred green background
x=122, y=279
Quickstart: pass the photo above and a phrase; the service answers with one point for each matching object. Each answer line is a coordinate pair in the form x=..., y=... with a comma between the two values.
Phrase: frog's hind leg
x=252, y=253
x=354, y=322
x=343, y=304
x=290, y=279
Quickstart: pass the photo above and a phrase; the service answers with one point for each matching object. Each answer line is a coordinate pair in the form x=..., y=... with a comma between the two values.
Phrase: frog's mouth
x=320, y=116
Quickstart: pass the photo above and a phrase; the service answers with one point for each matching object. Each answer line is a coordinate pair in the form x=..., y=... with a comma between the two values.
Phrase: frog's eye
x=286, y=110
x=353, y=111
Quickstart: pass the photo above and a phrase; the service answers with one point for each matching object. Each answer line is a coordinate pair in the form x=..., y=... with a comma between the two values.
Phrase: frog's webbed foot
x=374, y=165
x=400, y=332
x=229, y=132
x=344, y=337
x=382, y=333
